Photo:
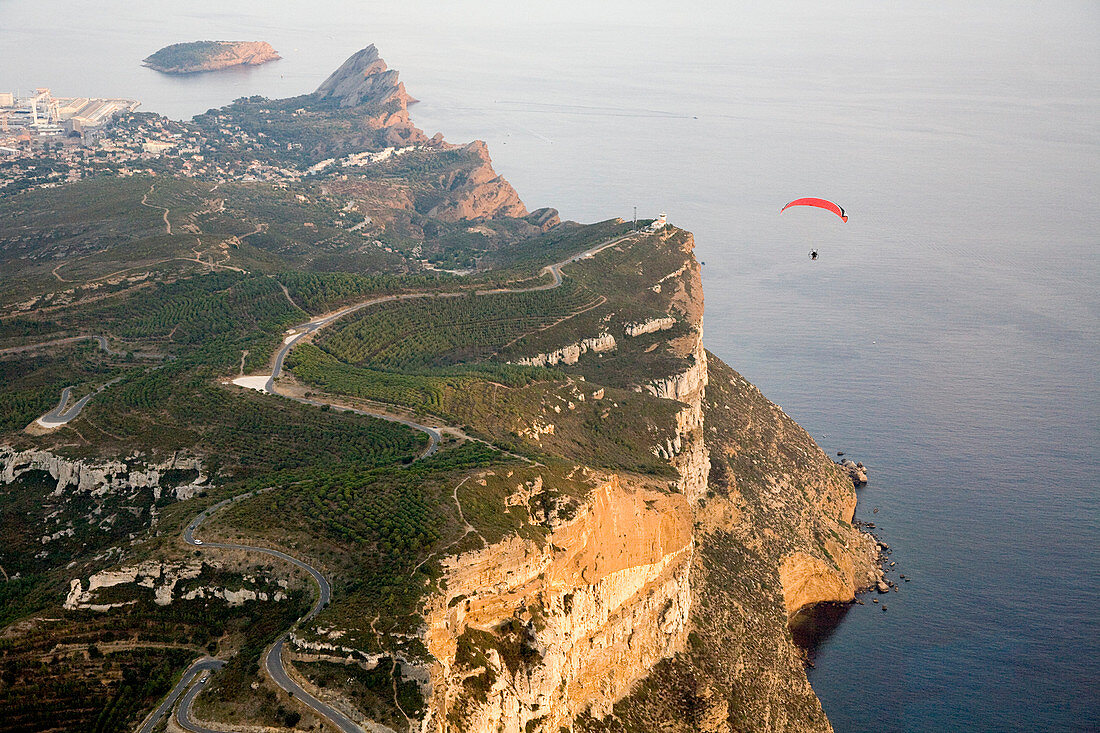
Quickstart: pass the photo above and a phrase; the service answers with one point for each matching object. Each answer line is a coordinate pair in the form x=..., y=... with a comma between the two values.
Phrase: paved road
x=273, y=661
x=276, y=669
x=316, y=324
x=59, y=415
x=199, y=666
x=320, y=322
x=183, y=713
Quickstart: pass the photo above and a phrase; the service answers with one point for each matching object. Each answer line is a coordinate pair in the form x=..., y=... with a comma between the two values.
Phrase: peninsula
x=199, y=56
x=330, y=431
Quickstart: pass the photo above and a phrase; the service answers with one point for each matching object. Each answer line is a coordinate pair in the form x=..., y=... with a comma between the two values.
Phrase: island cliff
x=199, y=56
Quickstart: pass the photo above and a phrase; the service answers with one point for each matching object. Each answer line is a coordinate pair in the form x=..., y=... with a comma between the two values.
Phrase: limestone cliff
x=199, y=56
x=100, y=477
x=773, y=535
x=532, y=632
x=658, y=606
x=466, y=189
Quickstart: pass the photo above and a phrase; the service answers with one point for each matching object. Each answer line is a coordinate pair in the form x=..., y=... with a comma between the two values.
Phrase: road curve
x=312, y=326
x=59, y=415
x=272, y=660
x=276, y=669
x=197, y=667
x=183, y=712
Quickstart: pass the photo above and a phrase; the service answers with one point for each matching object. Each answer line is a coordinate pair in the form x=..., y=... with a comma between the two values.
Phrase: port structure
x=42, y=115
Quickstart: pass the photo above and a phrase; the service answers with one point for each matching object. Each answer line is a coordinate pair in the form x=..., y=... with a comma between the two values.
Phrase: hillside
x=391, y=450
x=198, y=56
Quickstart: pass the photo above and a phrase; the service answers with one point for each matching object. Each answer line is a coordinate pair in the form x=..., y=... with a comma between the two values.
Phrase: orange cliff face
x=601, y=599
x=477, y=191
x=472, y=190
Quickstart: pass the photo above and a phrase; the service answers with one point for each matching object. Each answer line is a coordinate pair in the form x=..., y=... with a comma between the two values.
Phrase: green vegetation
x=43, y=696
x=31, y=383
x=184, y=57
x=102, y=672
x=230, y=695
x=432, y=332
x=318, y=292
x=371, y=690
x=195, y=281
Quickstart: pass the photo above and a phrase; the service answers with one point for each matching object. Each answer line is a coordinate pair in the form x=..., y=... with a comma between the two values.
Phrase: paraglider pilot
x=813, y=254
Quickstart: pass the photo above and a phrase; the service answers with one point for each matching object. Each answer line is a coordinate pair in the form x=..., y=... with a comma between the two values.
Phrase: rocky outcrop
x=199, y=56
x=367, y=86
x=568, y=624
x=651, y=326
x=466, y=190
x=545, y=219
x=857, y=471
x=475, y=191
x=162, y=578
x=102, y=477
x=364, y=79
x=572, y=353
x=774, y=534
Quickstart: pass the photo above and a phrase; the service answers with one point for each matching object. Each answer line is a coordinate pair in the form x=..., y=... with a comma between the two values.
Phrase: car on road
x=197, y=542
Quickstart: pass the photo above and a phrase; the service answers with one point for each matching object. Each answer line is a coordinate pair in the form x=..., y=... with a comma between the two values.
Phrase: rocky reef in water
x=199, y=56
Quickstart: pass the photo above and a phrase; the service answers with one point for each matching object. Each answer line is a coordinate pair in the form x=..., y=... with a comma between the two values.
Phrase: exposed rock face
x=162, y=578
x=198, y=56
x=476, y=191
x=545, y=218
x=572, y=353
x=599, y=602
x=651, y=326
x=100, y=477
x=364, y=84
x=857, y=471
x=471, y=189
x=364, y=79
x=773, y=535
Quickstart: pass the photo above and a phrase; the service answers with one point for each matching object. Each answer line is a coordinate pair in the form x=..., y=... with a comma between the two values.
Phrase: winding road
x=316, y=324
x=200, y=665
x=273, y=662
x=61, y=414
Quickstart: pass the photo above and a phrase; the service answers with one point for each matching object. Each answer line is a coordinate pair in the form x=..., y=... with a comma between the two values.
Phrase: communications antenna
x=635, y=228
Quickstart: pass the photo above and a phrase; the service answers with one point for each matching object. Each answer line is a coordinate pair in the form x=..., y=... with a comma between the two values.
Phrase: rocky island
x=199, y=56
x=357, y=491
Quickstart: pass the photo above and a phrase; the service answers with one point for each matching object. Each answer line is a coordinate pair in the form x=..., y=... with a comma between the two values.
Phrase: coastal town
x=46, y=142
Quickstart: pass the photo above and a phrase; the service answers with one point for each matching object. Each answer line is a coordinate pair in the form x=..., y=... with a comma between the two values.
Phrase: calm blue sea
x=948, y=336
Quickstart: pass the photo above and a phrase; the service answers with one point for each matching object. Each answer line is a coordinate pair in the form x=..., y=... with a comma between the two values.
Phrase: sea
x=948, y=335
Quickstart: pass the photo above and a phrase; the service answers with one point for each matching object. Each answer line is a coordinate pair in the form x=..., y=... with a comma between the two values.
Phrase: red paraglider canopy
x=819, y=203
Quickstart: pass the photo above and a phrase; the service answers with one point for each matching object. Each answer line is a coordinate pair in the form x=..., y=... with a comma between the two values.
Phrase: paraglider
x=819, y=203
x=813, y=254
